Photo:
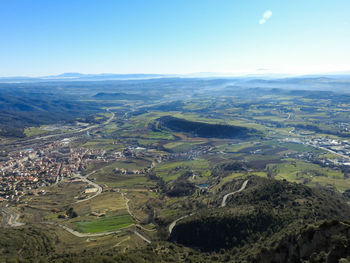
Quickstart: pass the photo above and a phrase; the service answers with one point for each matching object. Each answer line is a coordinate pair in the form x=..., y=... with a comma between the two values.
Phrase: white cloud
x=266, y=16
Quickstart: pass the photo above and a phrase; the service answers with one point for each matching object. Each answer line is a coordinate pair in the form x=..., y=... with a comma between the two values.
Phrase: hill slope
x=202, y=129
x=19, y=110
x=270, y=221
x=265, y=207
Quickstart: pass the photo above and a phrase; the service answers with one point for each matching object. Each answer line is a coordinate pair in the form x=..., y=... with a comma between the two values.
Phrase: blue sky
x=41, y=37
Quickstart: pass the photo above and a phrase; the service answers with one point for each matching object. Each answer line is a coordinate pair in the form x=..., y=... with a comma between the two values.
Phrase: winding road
x=142, y=237
x=99, y=191
x=86, y=180
x=79, y=234
x=223, y=203
x=173, y=224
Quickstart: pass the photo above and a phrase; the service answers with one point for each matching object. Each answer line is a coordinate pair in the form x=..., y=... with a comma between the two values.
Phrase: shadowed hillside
x=19, y=110
x=202, y=129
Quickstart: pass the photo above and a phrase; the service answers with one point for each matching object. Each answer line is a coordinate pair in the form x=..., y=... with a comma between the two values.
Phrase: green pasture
x=104, y=224
x=34, y=131
x=172, y=170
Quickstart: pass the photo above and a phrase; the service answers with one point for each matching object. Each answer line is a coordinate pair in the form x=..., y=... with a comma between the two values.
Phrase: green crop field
x=133, y=164
x=309, y=173
x=34, y=131
x=104, y=224
x=232, y=148
x=160, y=135
x=181, y=146
x=103, y=144
x=298, y=147
x=172, y=170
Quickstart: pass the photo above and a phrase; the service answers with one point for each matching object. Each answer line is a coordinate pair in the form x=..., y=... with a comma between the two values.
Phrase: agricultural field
x=104, y=224
x=34, y=131
x=171, y=171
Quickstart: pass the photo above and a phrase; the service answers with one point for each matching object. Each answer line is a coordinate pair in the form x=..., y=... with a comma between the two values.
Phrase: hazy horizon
x=257, y=73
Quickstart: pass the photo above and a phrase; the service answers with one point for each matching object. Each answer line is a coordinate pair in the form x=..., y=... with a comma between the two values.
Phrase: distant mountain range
x=82, y=77
x=252, y=79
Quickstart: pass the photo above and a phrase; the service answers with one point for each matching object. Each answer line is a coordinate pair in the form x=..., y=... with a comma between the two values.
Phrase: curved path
x=137, y=225
x=86, y=180
x=145, y=229
x=173, y=224
x=79, y=234
x=142, y=237
x=127, y=204
x=99, y=191
x=223, y=203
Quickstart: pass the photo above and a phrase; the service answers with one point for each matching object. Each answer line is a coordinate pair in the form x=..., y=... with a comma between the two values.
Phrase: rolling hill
x=202, y=129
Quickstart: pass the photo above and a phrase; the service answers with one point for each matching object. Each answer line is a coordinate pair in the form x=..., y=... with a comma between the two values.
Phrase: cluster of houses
x=339, y=148
x=30, y=169
x=127, y=171
x=129, y=152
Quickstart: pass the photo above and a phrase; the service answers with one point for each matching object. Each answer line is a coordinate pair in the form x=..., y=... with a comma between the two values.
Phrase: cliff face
x=328, y=242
